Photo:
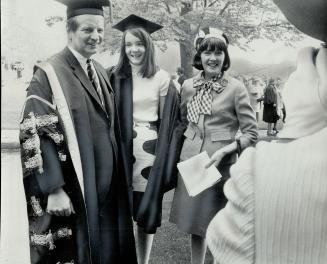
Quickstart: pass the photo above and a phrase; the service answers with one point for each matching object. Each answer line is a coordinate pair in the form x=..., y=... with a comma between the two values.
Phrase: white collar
x=81, y=59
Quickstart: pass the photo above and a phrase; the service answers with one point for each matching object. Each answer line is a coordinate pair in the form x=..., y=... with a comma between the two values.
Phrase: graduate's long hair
x=149, y=65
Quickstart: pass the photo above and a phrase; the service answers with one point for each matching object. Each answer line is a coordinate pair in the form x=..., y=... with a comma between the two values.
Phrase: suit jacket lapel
x=81, y=75
x=107, y=92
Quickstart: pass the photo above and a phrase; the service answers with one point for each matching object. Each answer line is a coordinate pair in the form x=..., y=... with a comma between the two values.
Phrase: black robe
x=101, y=231
x=163, y=175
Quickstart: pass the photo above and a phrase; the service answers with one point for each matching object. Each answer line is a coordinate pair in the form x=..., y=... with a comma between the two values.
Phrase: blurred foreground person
x=277, y=195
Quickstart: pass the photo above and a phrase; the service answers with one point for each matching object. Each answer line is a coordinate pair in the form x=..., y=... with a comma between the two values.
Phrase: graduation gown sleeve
x=41, y=140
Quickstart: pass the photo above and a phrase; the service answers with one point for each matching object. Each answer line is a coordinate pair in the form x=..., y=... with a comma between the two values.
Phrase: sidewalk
x=9, y=139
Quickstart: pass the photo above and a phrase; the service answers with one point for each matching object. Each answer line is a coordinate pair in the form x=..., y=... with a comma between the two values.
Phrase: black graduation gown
x=163, y=175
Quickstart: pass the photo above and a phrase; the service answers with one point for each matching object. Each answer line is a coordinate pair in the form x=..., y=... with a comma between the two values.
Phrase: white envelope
x=195, y=176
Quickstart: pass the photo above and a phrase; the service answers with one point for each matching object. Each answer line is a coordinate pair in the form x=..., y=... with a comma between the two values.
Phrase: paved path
x=14, y=235
x=13, y=96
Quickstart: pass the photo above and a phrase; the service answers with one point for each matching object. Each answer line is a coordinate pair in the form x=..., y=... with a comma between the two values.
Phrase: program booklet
x=195, y=176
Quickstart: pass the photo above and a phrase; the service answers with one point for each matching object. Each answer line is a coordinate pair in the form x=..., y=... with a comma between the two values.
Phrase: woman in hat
x=214, y=106
x=148, y=108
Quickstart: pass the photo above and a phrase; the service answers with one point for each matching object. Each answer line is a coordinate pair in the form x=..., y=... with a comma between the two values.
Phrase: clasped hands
x=59, y=203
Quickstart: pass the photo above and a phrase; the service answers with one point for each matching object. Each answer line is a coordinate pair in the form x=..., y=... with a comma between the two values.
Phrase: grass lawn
x=171, y=245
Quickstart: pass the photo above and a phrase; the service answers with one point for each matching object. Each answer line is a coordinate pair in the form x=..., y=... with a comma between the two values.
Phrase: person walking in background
x=148, y=104
x=254, y=93
x=280, y=102
x=181, y=75
x=175, y=81
x=75, y=186
x=19, y=67
x=270, y=115
x=214, y=106
x=281, y=110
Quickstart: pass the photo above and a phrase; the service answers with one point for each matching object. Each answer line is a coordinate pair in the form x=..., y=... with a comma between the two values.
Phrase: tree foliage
x=50, y=21
x=242, y=21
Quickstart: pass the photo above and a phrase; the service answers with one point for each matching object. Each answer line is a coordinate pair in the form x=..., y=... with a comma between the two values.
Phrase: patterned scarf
x=201, y=102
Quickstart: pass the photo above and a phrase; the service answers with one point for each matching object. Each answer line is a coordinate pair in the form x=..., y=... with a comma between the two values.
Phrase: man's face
x=89, y=34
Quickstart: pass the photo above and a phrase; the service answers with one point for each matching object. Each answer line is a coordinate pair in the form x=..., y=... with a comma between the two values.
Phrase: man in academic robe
x=76, y=190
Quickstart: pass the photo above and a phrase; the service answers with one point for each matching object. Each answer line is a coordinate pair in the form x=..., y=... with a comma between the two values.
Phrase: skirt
x=144, y=145
x=270, y=113
x=192, y=215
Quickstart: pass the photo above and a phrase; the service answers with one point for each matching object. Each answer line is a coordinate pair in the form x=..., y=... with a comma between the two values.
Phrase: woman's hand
x=216, y=158
x=59, y=203
x=220, y=153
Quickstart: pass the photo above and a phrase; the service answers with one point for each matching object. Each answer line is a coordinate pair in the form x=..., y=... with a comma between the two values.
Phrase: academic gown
x=163, y=175
x=101, y=231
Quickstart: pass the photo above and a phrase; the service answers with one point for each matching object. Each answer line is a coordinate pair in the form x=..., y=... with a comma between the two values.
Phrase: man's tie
x=96, y=85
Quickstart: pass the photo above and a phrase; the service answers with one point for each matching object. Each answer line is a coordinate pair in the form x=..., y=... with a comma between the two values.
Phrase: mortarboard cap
x=82, y=7
x=134, y=21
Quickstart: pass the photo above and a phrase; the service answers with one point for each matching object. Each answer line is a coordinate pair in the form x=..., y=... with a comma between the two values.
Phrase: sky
x=26, y=36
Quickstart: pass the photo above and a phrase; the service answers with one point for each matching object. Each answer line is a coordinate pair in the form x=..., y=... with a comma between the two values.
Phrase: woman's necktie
x=201, y=102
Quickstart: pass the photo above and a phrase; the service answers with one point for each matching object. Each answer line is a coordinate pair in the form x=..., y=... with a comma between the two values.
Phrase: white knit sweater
x=277, y=209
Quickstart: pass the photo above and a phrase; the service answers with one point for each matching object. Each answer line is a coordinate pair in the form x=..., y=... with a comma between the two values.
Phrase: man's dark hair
x=72, y=24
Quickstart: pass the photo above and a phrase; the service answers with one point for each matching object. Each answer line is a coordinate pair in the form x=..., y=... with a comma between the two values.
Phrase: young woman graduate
x=148, y=107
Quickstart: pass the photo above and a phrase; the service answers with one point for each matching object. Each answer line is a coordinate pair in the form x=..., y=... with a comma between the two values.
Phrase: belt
x=151, y=124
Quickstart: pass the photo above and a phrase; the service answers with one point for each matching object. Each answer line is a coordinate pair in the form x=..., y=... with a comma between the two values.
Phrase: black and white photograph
x=163, y=132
